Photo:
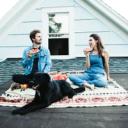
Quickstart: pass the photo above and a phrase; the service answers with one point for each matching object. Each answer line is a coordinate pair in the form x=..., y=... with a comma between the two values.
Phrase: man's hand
x=30, y=53
x=33, y=52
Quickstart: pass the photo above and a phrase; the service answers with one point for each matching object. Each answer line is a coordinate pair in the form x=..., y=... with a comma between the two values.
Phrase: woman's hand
x=87, y=51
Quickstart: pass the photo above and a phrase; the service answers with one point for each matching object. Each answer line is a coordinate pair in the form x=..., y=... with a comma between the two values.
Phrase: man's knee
x=16, y=76
x=19, y=78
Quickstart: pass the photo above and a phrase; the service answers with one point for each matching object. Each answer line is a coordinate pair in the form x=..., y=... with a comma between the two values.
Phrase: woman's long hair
x=100, y=46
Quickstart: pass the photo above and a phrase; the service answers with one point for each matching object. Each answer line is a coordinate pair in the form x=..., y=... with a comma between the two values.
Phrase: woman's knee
x=101, y=84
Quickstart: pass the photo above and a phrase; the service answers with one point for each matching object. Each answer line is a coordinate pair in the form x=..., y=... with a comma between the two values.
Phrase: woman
x=97, y=64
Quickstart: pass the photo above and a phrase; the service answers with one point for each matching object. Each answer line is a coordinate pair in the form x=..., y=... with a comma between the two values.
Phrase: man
x=35, y=59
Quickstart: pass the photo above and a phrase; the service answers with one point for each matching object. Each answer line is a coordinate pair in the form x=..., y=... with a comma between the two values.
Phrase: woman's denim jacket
x=44, y=63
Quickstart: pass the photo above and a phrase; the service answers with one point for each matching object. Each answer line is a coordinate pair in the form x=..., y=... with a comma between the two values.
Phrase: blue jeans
x=99, y=80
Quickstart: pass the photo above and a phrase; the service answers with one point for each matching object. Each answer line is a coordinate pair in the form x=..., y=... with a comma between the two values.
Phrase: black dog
x=47, y=92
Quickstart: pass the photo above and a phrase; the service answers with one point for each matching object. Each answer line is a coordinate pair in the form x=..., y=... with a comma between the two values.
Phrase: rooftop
x=12, y=66
x=88, y=117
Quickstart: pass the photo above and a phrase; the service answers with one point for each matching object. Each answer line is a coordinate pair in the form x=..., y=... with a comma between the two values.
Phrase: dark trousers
x=23, y=79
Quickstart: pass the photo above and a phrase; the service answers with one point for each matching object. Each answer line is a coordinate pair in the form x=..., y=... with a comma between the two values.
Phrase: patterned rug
x=114, y=95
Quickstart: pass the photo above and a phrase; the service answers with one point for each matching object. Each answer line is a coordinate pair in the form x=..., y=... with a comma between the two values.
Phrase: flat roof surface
x=95, y=117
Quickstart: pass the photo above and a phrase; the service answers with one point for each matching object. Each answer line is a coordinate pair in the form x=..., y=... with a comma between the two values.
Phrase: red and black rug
x=114, y=95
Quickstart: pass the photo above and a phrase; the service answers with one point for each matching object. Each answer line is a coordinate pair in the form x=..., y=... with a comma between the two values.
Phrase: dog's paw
x=14, y=86
x=70, y=96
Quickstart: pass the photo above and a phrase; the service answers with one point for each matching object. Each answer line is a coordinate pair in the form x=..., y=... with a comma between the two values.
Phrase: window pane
x=58, y=23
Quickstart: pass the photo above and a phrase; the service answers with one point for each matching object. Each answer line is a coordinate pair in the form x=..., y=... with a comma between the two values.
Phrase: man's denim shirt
x=44, y=63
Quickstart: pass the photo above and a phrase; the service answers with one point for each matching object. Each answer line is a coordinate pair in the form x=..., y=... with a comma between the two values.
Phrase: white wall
x=84, y=22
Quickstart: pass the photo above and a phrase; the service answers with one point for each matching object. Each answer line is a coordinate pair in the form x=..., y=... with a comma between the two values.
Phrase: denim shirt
x=44, y=63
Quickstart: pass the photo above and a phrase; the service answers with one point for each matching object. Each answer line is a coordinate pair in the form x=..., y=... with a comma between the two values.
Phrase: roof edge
x=109, y=15
x=103, y=10
x=11, y=17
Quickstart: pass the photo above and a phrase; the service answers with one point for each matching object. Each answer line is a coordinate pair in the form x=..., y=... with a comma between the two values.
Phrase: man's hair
x=33, y=33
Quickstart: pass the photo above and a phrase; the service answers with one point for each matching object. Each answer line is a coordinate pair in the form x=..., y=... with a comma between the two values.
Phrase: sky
x=121, y=6
x=5, y=6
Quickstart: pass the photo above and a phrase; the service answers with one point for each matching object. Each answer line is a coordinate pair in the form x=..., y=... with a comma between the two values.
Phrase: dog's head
x=41, y=79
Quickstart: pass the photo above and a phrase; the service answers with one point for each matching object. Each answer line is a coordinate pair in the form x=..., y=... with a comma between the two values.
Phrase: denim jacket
x=44, y=63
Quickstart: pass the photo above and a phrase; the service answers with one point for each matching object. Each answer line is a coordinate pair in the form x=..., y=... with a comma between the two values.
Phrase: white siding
x=85, y=23
x=11, y=52
x=118, y=50
x=35, y=15
x=89, y=26
x=80, y=13
x=107, y=38
x=56, y=3
x=16, y=40
x=25, y=28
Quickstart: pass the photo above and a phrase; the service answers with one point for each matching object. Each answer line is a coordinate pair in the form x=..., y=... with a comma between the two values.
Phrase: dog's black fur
x=47, y=92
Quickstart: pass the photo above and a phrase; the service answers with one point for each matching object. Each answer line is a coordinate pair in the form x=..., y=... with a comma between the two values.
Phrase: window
x=58, y=33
